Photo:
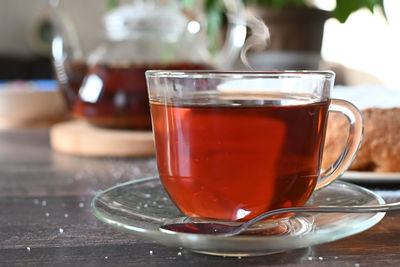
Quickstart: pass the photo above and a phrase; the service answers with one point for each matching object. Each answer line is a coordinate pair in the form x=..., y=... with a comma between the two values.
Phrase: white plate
x=371, y=177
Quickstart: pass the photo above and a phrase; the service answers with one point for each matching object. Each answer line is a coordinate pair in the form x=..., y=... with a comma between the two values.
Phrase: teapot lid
x=145, y=20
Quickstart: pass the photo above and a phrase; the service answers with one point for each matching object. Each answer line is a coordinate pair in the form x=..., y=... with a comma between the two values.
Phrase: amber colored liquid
x=122, y=100
x=233, y=160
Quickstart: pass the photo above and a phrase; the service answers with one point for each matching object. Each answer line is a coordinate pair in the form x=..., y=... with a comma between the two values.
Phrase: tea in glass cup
x=232, y=145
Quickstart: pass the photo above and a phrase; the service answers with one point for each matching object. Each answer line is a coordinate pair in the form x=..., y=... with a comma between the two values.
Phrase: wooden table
x=45, y=217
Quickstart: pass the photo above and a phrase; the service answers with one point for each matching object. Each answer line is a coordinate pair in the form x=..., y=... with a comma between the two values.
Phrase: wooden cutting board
x=81, y=138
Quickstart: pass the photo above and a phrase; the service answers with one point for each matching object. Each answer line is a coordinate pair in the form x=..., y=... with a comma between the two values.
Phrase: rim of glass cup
x=309, y=74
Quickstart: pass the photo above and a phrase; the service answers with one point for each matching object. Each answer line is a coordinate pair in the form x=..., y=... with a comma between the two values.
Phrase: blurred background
x=366, y=42
x=358, y=39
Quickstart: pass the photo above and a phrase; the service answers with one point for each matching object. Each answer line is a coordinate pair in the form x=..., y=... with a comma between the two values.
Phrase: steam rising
x=259, y=38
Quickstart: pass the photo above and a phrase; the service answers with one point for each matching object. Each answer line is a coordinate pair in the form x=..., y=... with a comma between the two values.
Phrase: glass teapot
x=104, y=79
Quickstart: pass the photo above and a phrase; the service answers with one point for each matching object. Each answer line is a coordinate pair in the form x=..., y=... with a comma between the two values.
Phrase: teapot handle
x=235, y=35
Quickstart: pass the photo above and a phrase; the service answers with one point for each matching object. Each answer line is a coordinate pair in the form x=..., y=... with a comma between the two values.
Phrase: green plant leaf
x=188, y=3
x=299, y=2
x=345, y=7
x=278, y=3
x=342, y=11
x=111, y=4
x=214, y=10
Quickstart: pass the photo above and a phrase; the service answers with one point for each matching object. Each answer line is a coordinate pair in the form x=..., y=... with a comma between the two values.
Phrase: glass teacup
x=232, y=145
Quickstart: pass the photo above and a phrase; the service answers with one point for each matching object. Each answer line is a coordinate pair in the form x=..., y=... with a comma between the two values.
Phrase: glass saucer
x=141, y=206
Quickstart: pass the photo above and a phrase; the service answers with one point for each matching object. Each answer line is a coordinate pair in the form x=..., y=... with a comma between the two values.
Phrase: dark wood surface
x=42, y=192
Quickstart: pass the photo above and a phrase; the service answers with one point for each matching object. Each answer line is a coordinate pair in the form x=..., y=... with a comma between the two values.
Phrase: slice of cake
x=380, y=148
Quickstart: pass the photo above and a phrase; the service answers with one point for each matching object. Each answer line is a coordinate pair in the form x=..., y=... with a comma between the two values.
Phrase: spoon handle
x=395, y=206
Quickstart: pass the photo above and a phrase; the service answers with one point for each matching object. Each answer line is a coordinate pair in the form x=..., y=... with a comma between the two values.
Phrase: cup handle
x=353, y=143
